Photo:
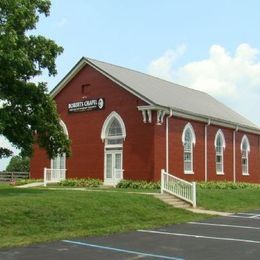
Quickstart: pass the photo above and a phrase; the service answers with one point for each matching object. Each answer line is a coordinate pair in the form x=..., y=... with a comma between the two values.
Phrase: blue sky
x=208, y=45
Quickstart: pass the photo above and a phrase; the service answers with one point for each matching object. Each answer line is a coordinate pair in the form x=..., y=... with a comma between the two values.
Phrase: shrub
x=225, y=185
x=130, y=184
x=18, y=164
x=86, y=182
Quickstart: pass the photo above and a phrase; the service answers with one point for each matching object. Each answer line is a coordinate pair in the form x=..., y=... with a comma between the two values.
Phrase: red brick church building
x=126, y=124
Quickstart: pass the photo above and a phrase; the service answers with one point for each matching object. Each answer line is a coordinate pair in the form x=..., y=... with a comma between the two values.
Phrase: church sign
x=87, y=105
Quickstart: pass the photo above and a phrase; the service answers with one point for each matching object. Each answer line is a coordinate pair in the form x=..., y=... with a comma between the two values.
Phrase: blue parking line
x=121, y=250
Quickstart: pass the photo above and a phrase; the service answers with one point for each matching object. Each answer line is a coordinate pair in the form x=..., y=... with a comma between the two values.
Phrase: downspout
x=234, y=154
x=206, y=150
x=167, y=140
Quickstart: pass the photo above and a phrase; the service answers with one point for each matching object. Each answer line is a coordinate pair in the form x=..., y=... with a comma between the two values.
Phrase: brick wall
x=84, y=129
x=145, y=144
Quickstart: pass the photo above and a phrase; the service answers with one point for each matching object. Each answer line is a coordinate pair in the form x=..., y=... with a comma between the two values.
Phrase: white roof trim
x=79, y=66
x=177, y=111
x=72, y=73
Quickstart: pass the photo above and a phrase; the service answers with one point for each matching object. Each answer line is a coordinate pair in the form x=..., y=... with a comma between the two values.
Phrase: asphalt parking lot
x=234, y=237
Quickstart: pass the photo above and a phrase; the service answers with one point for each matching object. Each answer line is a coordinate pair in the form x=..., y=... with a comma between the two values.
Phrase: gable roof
x=159, y=92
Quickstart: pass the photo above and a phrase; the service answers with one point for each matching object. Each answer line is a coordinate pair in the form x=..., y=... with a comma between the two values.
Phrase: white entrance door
x=113, y=167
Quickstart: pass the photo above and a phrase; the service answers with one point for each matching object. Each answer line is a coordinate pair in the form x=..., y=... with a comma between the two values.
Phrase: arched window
x=245, y=149
x=188, y=140
x=114, y=135
x=59, y=162
x=220, y=145
x=113, y=130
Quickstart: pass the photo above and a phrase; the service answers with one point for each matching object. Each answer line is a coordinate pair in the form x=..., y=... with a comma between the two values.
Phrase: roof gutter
x=167, y=140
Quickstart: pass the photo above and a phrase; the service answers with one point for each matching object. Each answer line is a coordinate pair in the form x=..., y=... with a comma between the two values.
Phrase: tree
x=27, y=113
x=18, y=164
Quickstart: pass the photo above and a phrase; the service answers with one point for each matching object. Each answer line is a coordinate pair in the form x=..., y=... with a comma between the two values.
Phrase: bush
x=18, y=164
x=225, y=185
x=87, y=182
x=130, y=184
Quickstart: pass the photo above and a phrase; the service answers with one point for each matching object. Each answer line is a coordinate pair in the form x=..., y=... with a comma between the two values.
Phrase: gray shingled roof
x=167, y=94
x=163, y=93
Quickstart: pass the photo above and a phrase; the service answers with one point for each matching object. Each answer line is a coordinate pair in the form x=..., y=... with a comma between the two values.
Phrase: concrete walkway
x=30, y=185
x=209, y=212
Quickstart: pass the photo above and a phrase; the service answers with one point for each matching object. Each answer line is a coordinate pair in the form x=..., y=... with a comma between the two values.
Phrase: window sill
x=245, y=174
x=188, y=172
x=220, y=173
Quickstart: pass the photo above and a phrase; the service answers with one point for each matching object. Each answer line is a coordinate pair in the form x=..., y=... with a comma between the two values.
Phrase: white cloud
x=163, y=66
x=234, y=79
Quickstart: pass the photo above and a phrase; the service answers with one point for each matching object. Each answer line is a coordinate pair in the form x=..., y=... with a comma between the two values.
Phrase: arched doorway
x=113, y=135
x=58, y=164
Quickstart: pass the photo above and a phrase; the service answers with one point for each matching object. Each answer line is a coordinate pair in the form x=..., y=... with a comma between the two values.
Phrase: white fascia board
x=177, y=112
x=216, y=121
x=152, y=107
x=201, y=118
x=121, y=84
x=70, y=75
x=83, y=61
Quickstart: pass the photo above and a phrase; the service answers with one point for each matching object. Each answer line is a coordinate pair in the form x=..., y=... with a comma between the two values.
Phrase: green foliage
x=18, y=164
x=26, y=108
x=4, y=152
x=225, y=185
x=130, y=184
x=88, y=182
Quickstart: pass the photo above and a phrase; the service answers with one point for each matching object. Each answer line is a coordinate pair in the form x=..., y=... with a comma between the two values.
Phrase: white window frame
x=245, y=139
x=112, y=148
x=58, y=157
x=221, y=135
x=108, y=121
x=188, y=127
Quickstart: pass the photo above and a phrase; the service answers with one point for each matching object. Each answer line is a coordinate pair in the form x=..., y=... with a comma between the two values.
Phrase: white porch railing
x=180, y=188
x=53, y=175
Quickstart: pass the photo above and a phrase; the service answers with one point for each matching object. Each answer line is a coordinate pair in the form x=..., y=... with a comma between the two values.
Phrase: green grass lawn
x=229, y=200
x=37, y=215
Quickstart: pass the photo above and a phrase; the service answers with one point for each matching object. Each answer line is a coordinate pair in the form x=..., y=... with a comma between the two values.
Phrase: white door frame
x=117, y=174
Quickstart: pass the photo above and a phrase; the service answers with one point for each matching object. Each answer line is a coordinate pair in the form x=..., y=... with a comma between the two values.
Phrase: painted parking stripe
x=199, y=236
x=223, y=225
x=255, y=216
x=121, y=250
x=239, y=216
x=248, y=215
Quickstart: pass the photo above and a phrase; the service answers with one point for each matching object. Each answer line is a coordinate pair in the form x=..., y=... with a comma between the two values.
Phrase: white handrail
x=180, y=188
x=53, y=175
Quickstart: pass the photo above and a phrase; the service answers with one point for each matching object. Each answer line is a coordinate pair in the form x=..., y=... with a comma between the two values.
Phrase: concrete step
x=169, y=198
x=173, y=201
